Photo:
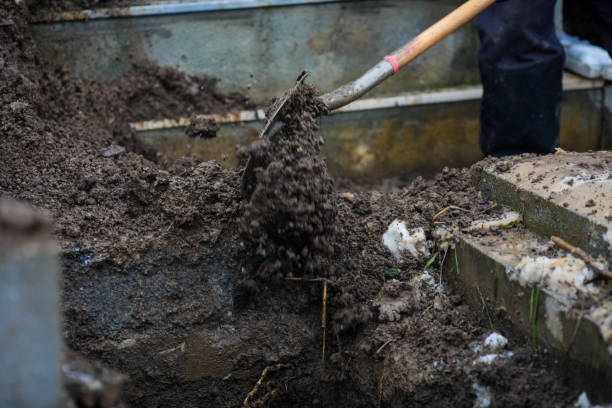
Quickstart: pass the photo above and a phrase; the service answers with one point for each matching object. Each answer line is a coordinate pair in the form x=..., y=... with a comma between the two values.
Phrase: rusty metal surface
x=373, y=144
x=264, y=49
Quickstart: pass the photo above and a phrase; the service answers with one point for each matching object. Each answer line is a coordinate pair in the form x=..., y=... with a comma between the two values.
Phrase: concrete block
x=508, y=267
x=567, y=195
x=29, y=310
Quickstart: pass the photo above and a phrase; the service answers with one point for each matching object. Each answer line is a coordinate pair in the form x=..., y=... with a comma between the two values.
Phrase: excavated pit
x=194, y=286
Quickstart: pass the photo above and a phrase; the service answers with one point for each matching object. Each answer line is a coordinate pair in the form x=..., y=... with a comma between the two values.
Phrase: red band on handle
x=393, y=62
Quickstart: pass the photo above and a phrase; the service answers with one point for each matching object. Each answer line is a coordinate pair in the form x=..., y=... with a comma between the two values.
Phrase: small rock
x=502, y=167
x=495, y=342
x=85, y=183
x=18, y=106
x=114, y=150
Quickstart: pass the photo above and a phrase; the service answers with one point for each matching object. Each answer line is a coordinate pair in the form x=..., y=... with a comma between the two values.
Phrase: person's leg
x=521, y=64
x=603, y=8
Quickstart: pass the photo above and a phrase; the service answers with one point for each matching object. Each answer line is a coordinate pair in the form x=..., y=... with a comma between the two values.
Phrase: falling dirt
x=290, y=215
x=177, y=276
x=201, y=126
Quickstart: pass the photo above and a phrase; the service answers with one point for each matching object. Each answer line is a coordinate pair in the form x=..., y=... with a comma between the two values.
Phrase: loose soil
x=46, y=6
x=201, y=126
x=186, y=278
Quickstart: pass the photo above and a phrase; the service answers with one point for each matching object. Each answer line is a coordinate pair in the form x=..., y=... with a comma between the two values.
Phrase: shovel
x=384, y=69
x=392, y=63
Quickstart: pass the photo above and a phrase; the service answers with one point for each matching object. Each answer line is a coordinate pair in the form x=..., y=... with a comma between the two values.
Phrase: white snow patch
x=495, y=342
x=569, y=182
x=400, y=240
x=583, y=402
x=562, y=275
x=553, y=318
x=483, y=396
x=487, y=358
x=427, y=279
x=602, y=316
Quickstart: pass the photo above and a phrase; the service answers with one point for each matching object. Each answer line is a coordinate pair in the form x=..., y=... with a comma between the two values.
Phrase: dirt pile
x=290, y=215
x=161, y=284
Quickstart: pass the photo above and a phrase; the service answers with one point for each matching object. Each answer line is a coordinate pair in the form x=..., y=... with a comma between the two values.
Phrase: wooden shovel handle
x=436, y=32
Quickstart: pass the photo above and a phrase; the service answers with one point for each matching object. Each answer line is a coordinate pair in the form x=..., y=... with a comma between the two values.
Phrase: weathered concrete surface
x=506, y=267
x=567, y=195
x=374, y=144
x=29, y=310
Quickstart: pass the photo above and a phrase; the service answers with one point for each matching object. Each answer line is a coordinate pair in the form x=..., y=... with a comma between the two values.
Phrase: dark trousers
x=521, y=64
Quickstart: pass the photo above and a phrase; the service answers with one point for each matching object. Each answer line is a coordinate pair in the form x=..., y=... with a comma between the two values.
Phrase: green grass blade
x=456, y=261
x=433, y=258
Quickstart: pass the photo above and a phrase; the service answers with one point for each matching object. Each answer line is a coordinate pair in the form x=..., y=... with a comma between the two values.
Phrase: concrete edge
x=481, y=277
x=544, y=217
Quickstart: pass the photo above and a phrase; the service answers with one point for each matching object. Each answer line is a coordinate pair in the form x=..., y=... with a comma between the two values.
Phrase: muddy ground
x=186, y=277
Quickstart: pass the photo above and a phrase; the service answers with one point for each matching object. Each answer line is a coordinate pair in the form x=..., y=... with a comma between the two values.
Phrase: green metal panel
x=373, y=144
x=266, y=48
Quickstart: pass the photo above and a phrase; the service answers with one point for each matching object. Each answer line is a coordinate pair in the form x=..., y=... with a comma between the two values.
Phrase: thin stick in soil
x=251, y=394
x=330, y=282
x=484, y=307
x=454, y=207
x=324, y=323
x=582, y=255
x=384, y=345
x=442, y=264
x=577, y=326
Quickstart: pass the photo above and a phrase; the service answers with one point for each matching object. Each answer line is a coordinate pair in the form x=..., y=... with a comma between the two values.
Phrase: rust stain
x=80, y=15
x=397, y=147
x=221, y=149
x=580, y=123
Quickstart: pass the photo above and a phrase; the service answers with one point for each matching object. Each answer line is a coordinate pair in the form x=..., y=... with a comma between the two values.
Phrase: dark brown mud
x=201, y=126
x=290, y=215
x=176, y=276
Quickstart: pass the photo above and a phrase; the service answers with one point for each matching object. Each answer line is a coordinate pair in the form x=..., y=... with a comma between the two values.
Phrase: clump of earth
x=186, y=279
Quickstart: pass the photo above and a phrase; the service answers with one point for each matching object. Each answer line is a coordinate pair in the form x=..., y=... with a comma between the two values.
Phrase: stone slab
x=568, y=195
x=507, y=267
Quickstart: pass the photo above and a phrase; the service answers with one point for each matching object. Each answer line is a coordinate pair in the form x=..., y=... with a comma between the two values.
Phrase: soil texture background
x=182, y=277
